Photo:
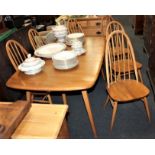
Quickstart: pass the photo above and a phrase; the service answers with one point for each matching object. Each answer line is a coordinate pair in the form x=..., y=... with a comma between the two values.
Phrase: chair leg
x=29, y=96
x=64, y=97
x=113, y=114
x=102, y=72
x=147, y=108
x=140, y=75
x=107, y=100
x=49, y=99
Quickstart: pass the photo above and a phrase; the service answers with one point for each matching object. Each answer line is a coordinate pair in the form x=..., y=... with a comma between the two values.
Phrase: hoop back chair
x=74, y=26
x=17, y=54
x=122, y=84
x=35, y=39
x=114, y=26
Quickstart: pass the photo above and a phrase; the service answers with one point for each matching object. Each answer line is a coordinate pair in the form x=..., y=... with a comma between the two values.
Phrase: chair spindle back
x=16, y=53
x=118, y=65
x=35, y=39
x=74, y=26
x=113, y=26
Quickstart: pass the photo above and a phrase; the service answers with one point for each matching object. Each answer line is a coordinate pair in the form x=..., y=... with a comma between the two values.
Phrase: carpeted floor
x=131, y=120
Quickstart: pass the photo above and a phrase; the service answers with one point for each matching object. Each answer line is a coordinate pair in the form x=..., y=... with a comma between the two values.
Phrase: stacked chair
x=113, y=26
x=124, y=79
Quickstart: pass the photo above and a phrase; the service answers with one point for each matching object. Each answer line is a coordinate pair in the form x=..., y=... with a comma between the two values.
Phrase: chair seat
x=127, y=90
x=125, y=66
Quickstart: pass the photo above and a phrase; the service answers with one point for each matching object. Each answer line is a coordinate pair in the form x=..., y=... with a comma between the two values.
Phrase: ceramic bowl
x=31, y=65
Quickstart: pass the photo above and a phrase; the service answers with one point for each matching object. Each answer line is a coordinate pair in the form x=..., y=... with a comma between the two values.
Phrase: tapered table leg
x=29, y=96
x=64, y=98
x=88, y=108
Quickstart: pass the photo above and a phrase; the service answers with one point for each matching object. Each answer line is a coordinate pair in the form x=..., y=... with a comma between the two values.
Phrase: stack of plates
x=47, y=51
x=65, y=60
x=31, y=65
x=74, y=37
x=60, y=32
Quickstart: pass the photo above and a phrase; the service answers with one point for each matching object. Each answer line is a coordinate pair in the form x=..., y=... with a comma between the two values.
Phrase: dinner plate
x=62, y=67
x=47, y=51
x=81, y=52
x=65, y=60
x=75, y=35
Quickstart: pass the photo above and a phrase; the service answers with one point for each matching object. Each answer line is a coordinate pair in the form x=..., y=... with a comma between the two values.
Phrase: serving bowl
x=31, y=65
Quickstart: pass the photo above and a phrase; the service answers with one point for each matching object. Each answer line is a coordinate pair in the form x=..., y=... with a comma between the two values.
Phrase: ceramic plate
x=47, y=51
x=75, y=35
x=65, y=60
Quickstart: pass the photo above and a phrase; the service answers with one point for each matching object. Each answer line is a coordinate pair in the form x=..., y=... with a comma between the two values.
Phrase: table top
x=42, y=121
x=81, y=77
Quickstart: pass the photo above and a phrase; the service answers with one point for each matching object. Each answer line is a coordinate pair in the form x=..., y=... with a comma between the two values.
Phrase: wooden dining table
x=80, y=78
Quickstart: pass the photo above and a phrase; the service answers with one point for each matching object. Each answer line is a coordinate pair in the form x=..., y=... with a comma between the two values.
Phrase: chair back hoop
x=119, y=57
x=113, y=26
x=73, y=26
x=35, y=39
x=16, y=53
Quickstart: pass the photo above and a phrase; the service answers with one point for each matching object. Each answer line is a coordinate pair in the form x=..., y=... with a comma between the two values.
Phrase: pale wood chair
x=35, y=39
x=17, y=54
x=122, y=85
x=73, y=26
x=114, y=26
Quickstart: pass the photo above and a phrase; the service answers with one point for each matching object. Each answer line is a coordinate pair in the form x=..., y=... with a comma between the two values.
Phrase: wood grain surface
x=81, y=77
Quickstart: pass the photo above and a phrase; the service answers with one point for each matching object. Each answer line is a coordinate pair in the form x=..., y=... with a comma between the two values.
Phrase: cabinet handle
x=98, y=24
x=98, y=32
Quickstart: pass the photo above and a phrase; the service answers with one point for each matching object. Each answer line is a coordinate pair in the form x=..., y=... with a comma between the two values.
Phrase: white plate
x=75, y=35
x=67, y=67
x=65, y=60
x=47, y=51
x=80, y=52
x=65, y=55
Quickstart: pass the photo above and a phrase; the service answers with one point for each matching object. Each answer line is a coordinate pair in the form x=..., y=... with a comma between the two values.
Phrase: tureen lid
x=30, y=61
x=31, y=64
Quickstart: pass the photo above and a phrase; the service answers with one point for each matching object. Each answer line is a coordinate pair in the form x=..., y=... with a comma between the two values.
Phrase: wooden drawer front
x=93, y=32
x=83, y=23
x=95, y=23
